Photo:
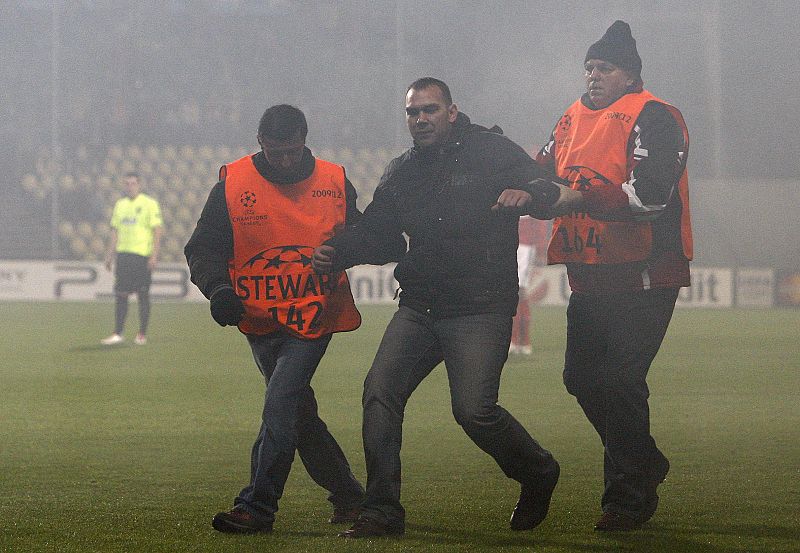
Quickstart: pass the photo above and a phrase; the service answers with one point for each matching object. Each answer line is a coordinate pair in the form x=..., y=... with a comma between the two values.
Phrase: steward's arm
x=211, y=245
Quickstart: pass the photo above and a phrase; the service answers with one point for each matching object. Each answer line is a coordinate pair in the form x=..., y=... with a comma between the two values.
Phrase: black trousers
x=611, y=341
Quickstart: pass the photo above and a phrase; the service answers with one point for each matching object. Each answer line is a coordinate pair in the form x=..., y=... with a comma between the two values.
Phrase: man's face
x=605, y=82
x=429, y=117
x=132, y=187
x=284, y=155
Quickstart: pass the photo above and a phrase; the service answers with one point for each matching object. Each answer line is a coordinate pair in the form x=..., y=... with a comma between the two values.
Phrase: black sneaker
x=239, y=521
x=344, y=515
x=616, y=522
x=656, y=475
x=534, y=501
x=366, y=527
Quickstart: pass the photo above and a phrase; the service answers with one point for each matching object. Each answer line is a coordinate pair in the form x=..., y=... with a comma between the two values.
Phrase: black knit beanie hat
x=618, y=47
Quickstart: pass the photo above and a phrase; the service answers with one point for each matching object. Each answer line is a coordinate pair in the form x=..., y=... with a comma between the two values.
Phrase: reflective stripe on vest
x=275, y=230
x=591, y=147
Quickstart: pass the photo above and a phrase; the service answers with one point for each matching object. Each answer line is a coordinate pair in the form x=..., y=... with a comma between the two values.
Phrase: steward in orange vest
x=634, y=232
x=275, y=230
x=256, y=234
x=250, y=255
x=622, y=228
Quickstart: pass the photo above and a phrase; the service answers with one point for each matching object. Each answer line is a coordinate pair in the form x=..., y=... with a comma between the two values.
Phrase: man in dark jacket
x=459, y=293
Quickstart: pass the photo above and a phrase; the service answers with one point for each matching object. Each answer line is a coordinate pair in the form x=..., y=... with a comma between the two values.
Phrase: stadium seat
x=133, y=152
x=97, y=247
x=115, y=152
x=66, y=230
x=205, y=153
x=186, y=152
x=67, y=183
x=152, y=154
x=169, y=153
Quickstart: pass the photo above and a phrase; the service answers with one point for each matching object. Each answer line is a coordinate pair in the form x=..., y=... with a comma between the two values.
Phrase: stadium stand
x=179, y=176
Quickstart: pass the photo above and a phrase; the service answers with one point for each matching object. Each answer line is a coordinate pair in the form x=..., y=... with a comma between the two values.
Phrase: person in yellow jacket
x=136, y=229
x=623, y=230
x=250, y=255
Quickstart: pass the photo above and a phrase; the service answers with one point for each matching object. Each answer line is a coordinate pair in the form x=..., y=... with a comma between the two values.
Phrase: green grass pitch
x=135, y=448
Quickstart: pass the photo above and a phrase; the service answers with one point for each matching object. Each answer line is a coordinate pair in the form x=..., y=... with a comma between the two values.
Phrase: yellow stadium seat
x=171, y=198
x=182, y=167
x=157, y=183
x=133, y=152
x=110, y=166
x=145, y=168
x=77, y=246
x=127, y=165
x=84, y=229
x=85, y=181
x=223, y=155
x=169, y=153
x=97, y=246
x=205, y=153
x=164, y=168
x=186, y=152
x=152, y=154
x=67, y=183
x=66, y=229
x=115, y=152
x=184, y=214
x=30, y=183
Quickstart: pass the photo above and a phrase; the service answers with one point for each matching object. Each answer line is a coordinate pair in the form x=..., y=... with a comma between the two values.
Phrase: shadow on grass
x=674, y=538
x=99, y=347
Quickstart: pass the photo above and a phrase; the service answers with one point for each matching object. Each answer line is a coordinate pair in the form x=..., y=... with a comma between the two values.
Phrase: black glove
x=226, y=307
x=544, y=191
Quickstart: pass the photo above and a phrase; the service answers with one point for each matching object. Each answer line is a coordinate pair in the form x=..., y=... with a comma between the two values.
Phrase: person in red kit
x=531, y=253
x=622, y=229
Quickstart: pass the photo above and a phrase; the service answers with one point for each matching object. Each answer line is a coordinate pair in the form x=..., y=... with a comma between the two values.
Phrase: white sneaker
x=140, y=340
x=112, y=340
x=525, y=350
x=513, y=349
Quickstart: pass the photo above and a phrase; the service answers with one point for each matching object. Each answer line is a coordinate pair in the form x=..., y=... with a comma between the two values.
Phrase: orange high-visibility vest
x=591, y=148
x=275, y=230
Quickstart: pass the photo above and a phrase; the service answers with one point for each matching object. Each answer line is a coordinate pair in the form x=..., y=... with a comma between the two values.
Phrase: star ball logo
x=282, y=255
x=248, y=198
x=565, y=122
x=585, y=177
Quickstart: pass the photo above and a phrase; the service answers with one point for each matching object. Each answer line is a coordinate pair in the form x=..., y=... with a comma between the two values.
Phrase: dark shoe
x=659, y=471
x=366, y=527
x=344, y=515
x=239, y=521
x=534, y=502
x=657, y=475
x=616, y=522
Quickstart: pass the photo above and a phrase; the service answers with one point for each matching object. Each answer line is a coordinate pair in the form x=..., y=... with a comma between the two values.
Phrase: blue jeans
x=474, y=349
x=290, y=422
x=611, y=341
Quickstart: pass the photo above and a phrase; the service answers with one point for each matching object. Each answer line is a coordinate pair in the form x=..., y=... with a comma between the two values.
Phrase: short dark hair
x=282, y=122
x=132, y=175
x=426, y=82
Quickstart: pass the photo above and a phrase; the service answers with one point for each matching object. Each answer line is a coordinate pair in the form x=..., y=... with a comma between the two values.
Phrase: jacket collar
x=461, y=127
x=307, y=164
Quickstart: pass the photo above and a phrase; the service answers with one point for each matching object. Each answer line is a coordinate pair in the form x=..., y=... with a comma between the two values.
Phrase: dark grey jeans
x=290, y=422
x=611, y=341
x=474, y=349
